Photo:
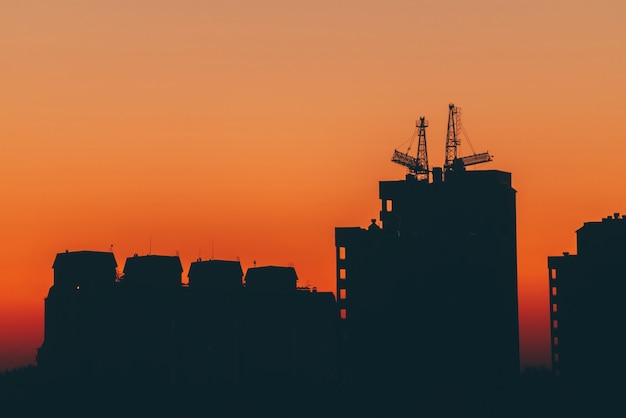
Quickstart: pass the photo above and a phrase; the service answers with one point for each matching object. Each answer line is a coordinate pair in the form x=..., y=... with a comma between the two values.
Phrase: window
x=556, y=357
x=388, y=205
x=554, y=291
x=553, y=274
x=554, y=307
x=555, y=324
x=342, y=274
x=342, y=313
x=342, y=253
x=555, y=341
x=342, y=293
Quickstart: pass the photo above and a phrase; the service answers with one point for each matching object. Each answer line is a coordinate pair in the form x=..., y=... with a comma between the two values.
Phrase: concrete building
x=82, y=294
x=586, y=305
x=147, y=330
x=430, y=296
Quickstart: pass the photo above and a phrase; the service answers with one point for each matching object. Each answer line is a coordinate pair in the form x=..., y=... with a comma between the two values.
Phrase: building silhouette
x=426, y=303
x=586, y=305
x=145, y=329
x=428, y=299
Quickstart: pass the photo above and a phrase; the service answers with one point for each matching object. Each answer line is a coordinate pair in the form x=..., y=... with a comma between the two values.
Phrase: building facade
x=586, y=306
x=430, y=296
x=147, y=329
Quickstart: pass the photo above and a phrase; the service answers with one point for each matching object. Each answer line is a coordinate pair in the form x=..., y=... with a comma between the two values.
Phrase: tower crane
x=453, y=161
x=417, y=166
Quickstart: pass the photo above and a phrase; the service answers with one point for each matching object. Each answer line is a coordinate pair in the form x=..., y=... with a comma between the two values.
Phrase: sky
x=251, y=129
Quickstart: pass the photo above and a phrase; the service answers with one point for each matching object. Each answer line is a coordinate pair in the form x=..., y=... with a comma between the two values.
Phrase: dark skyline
x=426, y=304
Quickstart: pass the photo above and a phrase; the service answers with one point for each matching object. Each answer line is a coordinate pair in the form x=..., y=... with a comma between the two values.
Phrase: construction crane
x=453, y=161
x=417, y=166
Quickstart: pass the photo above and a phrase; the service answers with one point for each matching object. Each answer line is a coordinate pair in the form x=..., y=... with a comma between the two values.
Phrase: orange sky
x=251, y=129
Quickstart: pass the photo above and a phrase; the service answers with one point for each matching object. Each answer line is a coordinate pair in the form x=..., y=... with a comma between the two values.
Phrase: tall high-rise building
x=586, y=304
x=430, y=296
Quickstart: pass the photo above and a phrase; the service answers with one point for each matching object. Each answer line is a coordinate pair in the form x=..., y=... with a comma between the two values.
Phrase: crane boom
x=476, y=159
x=405, y=160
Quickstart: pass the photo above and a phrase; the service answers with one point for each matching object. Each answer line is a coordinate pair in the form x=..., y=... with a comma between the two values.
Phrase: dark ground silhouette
x=24, y=393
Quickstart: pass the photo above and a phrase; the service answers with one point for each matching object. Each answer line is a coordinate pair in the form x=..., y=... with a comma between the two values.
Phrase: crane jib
x=476, y=159
x=406, y=160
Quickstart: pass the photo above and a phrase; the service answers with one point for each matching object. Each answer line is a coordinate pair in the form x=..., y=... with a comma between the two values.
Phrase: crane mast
x=422, y=154
x=451, y=138
x=418, y=166
x=453, y=161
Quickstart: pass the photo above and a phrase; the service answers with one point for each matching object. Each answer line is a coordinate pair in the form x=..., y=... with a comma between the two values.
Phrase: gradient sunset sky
x=251, y=129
